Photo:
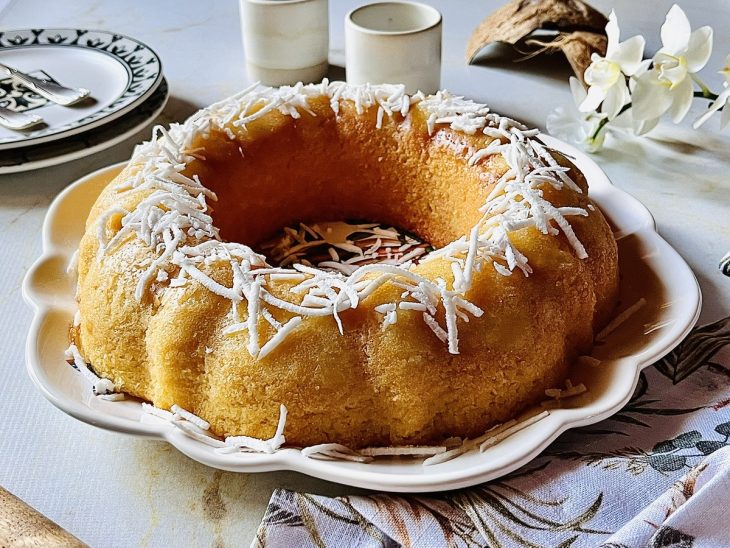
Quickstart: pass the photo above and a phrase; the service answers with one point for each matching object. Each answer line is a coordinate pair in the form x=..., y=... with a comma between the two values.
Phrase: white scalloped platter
x=651, y=269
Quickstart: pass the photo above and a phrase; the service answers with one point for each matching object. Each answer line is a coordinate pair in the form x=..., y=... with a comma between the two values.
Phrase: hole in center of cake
x=344, y=246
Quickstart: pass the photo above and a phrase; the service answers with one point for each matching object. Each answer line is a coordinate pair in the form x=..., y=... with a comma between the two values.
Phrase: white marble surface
x=112, y=490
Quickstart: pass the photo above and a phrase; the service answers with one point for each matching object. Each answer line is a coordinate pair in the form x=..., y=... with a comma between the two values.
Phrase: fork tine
x=53, y=92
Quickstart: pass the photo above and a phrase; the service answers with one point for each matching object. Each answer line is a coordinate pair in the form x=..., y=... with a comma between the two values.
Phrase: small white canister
x=394, y=43
x=285, y=41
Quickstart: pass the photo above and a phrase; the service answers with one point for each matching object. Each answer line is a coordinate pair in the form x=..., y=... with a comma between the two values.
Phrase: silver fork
x=53, y=92
x=18, y=120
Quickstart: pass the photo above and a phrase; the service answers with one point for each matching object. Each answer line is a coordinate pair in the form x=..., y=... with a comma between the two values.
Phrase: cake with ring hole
x=179, y=305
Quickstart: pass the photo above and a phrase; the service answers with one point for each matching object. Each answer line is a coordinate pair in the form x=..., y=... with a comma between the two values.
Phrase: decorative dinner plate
x=651, y=270
x=121, y=73
x=89, y=142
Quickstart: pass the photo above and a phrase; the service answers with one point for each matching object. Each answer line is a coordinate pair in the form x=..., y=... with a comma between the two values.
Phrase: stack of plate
x=124, y=75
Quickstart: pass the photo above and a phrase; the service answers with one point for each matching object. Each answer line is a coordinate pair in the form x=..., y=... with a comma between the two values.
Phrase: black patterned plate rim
x=141, y=62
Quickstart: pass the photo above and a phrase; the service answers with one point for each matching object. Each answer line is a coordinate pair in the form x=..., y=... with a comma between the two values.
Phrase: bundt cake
x=177, y=307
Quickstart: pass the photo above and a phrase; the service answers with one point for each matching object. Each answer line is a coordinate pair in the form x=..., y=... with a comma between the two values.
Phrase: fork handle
x=18, y=120
x=51, y=91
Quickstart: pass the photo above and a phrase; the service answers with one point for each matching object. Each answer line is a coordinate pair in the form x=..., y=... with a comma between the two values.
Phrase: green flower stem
x=705, y=93
x=604, y=121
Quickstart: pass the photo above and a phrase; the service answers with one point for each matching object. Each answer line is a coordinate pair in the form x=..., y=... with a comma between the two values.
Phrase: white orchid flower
x=606, y=76
x=667, y=86
x=574, y=126
x=722, y=101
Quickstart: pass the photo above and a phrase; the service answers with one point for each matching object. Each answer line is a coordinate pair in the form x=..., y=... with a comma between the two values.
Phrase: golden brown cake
x=176, y=307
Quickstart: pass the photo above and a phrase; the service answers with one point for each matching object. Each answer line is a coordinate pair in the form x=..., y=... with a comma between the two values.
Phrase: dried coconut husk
x=579, y=27
x=577, y=47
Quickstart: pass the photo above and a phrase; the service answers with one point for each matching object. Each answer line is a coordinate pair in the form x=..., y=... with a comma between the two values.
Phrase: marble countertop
x=110, y=489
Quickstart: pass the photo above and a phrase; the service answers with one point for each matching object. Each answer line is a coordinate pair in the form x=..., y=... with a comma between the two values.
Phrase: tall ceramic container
x=285, y=41
x=394, y=42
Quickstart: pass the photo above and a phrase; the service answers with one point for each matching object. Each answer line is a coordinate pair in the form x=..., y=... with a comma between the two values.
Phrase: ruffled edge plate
x=651, y=269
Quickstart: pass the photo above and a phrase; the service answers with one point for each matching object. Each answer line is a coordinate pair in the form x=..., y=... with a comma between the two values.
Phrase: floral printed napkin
x=655, y=474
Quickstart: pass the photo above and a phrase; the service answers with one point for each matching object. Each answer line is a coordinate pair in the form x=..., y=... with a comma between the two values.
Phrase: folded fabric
x=692, y=512
x=655, y=474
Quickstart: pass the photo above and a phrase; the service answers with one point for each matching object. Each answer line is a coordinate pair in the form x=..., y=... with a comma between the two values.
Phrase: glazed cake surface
x=177, y=308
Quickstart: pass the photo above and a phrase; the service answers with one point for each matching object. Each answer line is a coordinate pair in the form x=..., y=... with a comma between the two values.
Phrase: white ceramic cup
x=285, y=41
x=395, y=43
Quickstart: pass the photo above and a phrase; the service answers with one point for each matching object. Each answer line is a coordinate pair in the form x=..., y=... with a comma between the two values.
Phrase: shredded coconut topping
x=615, y=323
x=403, y=450
x=334, y=451
x=117, y=396
x=197, y=428
x=343, y=247
x=157, y=412
x=99, y=385
x=249, y=444
x=590, y=361
x=569, y=391
x=180, y=413
x=173, y=219
x=507, y=429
